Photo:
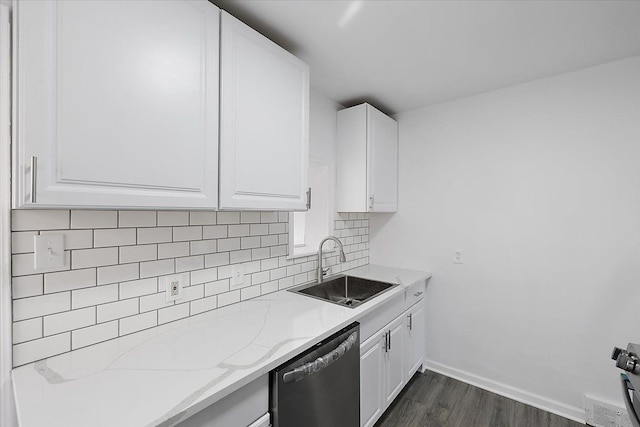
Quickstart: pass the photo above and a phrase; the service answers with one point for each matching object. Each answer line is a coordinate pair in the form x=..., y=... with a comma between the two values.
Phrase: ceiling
x=399, y=55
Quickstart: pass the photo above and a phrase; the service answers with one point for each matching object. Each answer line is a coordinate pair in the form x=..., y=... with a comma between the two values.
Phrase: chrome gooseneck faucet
x=342, y=258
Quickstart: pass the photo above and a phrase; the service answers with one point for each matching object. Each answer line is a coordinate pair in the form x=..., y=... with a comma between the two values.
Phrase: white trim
x=7, y=407
x=567, y=411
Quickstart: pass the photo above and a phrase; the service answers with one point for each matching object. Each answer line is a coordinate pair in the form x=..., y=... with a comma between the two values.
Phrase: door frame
x=7, y=406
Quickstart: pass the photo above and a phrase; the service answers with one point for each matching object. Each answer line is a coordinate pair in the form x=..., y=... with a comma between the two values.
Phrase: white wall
x=539, y=186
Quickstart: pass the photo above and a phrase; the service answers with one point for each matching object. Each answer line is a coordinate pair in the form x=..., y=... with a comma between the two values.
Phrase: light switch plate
x=49, y=251
x=237, y=276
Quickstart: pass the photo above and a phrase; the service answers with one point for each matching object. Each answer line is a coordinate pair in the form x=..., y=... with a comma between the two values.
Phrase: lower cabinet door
x=415, y=339
x=395, y=370
x=372, y=361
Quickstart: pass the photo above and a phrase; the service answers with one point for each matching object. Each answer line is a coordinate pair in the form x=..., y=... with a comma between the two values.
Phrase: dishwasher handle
x=626, y=386
x=321, y=362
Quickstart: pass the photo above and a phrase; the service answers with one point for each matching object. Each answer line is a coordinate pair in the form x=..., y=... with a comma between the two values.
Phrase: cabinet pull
x=309, y=198
x=417, y=294
x=34, y=178
x=371, y=201
x=410, y=326
x=386, y=342
x=389, y=333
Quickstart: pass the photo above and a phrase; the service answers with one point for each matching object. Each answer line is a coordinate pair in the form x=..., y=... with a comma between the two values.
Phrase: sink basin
x=344, y=290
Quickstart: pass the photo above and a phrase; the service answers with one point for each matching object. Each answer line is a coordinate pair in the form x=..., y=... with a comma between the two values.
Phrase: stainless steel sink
x=347, y=291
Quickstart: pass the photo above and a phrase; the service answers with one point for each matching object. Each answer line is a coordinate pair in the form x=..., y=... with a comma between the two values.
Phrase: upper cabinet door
x=382, y=161
x=367, y=161
x=116, y=103
x=264, y=122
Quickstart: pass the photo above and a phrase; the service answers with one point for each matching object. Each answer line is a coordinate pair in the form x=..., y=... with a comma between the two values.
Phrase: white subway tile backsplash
x=267, y=288
x=93, y=219
x=42, y=305
x=266, y=217
x=27, y=286
x=117, y=310
x=203, y=276
x=259, y=229
x=200, y=247
x=39, y=219
x=236, y=257
x=137, y=323
x=153, y=302
x=249, y=242
x=157, y=268
x=85, y=258
x=39, y=349
x=202, y=218
x=138, y=253
x=169, y=314
x=215, y=260
x=189, y=263
x=94, y=334
x=155, y=235
x=138, y=288
x=228, y=217
x=173, y=250
x=118, y=273
x=181, y=234
x=173, y=218
x=94, y=296
x=215, y=231
x=228, y=298
x=249, y=217
x=136, y=219
x=22, y=241
x=68, y=280
x=27, y=330
x=23, y=264
x=74, y=239
x=117, y=262
x=231, y=244
x=69, y=320
x=249, y=293
x=192, y=293
x=114, y=237
x=239, y=230
x=204, y=304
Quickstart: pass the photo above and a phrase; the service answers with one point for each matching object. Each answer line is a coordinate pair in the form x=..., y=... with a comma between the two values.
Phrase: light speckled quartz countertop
x=185, y=365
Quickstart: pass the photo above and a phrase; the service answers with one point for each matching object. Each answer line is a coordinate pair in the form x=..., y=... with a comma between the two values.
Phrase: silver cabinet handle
x=417, y=294
x=626, y=386
x=371, y=201
x=34, y=178
x=410, y=325
x=389, y=333
x=321, y=362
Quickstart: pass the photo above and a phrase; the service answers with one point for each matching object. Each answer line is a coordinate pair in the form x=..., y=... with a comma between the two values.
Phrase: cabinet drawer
x=415, y=293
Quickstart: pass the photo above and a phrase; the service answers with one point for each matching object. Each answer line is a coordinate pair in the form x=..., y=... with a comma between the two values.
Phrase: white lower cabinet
x=414, y=337
x=388, y=360
x=372, y=363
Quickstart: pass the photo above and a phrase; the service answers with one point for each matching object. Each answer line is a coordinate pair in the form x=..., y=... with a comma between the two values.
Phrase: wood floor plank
x=434, y=400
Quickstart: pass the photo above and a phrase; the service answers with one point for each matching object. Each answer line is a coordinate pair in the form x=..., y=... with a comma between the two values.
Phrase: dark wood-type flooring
x=433, y=400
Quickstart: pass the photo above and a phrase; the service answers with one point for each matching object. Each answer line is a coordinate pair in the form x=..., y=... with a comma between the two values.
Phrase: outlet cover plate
x=237, y=276
x=173, y=287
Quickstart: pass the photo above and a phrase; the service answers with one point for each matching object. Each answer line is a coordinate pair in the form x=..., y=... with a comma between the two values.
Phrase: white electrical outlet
x=173, y=287
x=49, y=251
x=457, y=257
x=237, y=276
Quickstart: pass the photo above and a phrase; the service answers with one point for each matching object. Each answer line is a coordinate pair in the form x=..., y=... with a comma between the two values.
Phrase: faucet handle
x=326, y=271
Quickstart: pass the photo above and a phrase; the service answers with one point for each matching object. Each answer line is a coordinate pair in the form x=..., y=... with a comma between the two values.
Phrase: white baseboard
x=571, y=412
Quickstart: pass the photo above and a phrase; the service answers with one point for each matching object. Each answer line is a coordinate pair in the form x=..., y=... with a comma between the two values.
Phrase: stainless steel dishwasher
x=320, y=387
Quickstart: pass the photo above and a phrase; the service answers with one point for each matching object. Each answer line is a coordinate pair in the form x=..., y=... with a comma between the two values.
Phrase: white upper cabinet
x=116, y=103
x=264, y=122
x=367, y=161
